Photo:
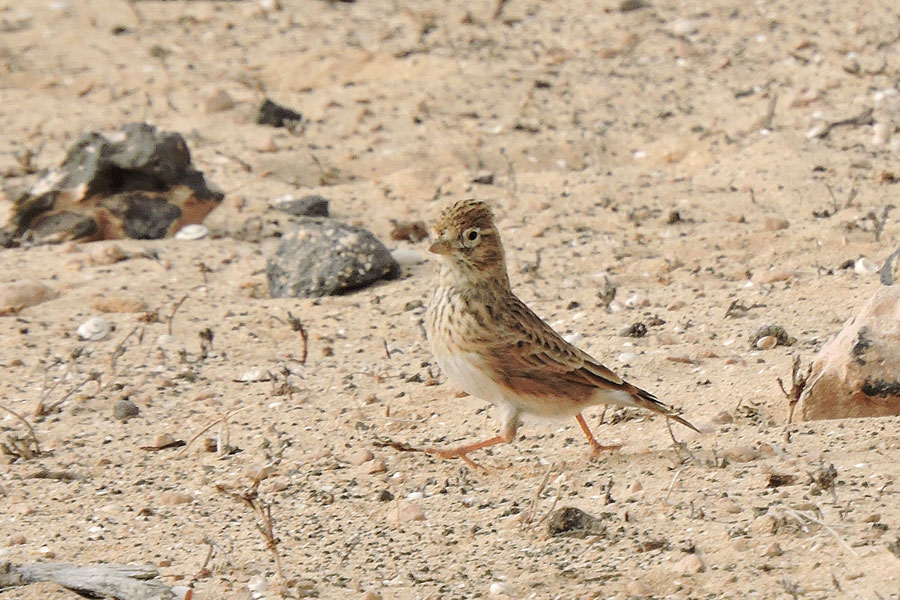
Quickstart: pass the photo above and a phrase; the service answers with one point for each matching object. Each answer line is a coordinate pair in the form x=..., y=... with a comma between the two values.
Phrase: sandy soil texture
x=715, y=161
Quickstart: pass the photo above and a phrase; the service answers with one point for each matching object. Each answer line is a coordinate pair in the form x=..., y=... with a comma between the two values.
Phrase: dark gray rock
x=307, y=206
x=574, y=522
x=138, y=183
x=276, y=115
x=323, y=257
x=125, y=409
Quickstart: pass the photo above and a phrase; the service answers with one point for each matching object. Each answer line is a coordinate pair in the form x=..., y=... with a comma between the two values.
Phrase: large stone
x=323, y=257
x=857, y=373
x=138, y=183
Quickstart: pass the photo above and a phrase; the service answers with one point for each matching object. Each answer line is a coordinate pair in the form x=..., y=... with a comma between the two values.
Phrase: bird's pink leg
x=508, y=434
x=596, y=448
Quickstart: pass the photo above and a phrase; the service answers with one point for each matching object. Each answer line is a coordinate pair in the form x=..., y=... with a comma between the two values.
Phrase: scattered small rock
x=778, y=480
x=405, y=512
x=370, y=595
x=174, y=498
x=385, y=496
x=409, y=231
x=107, y=254
x=857, y=373
x=325, y=257
x=574, y=522
x=636, y=588
x=773, y=275
x=218, y=101
x=361, y=456
x=139, y=183
x=631, y=5
x=94, y=329
x=118, y=304
x=17, y=539
x=501, y=588
x=635, y=330
x=773, y=224
x=741, y=454
x=276, y=115
x=627, y=357
x=312, y=205
x=689, y=565
x=777, y=331
x=763, y=525
x=723, y=417
x=483, y=178
x=374, y=467
x=773, y=550
x=407, y=257
x=16, y=295
x=125, y=409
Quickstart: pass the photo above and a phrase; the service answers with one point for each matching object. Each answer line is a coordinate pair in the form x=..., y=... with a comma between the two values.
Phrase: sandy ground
x=666, y=147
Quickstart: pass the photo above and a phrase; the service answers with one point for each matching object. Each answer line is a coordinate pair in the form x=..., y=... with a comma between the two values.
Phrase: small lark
x=494, y=347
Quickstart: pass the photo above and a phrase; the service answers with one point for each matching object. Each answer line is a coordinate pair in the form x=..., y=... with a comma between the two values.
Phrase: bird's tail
x=645, y=399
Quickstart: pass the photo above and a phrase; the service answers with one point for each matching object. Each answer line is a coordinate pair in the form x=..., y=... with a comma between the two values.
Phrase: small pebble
x=636, y=588
x=407, y=257
x=685, y=27
x=118, y=304
x=773, y=550
x=361, y=456
x=767, y=342
x=627, y=357
x=16, y=295
x=763, y=525
x=108, y=255
x=16, y=539
x=174, y=498
x=254, y=375
x=501, y=588
x=741, y=454
x=374, y=467
x=263, y=143
x=405, y=512
x=689, y=565
x=163, y=440
x=125, y=409
x=773, y=224
x=370, y=595
x=723, y=417
x=218, y=101
x=635, y=487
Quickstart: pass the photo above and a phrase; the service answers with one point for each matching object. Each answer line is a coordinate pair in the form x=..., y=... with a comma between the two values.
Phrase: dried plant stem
x=37, y=446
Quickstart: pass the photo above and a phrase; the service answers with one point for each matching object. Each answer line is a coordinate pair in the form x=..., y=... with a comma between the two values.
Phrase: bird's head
x=468, y=243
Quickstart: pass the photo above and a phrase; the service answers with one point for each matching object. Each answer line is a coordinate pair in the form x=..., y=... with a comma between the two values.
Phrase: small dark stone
x=574, y=522
x=776, y=480
x=385, y=496
x=631, y=5
x=307, y=206
x=847, y=264
x=124, y=409
x=674, y=217
x=776, y=331
x=276, y=115
x=635, y=330
x=483, y=178
x=324, y=257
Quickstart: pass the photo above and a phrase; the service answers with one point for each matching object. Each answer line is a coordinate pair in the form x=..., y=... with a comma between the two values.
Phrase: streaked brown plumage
x=489, y=343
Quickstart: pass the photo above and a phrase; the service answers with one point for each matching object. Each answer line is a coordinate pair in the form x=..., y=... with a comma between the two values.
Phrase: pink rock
x=857, y=373
x=17, y=295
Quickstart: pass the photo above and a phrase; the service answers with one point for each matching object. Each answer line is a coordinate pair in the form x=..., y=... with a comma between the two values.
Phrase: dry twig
x=798, y=384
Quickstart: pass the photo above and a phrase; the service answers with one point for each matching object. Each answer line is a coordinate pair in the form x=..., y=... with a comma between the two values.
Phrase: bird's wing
x=526, y=352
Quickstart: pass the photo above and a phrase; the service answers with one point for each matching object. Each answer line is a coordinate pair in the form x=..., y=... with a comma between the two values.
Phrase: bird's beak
x=441, y=246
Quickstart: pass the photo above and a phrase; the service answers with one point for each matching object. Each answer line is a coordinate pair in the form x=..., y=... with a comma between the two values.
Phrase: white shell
x=407, y=257
x=767, y=342
x=254, y=375
x=192, y=232
x=94, y=329
x=864, y=266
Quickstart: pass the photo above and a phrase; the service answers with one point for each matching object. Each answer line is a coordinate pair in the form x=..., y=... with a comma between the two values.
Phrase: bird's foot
x=597, y=450
x=461, y=452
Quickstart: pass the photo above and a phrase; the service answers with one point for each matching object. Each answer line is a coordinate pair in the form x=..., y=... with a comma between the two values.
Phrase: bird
x=490, y=344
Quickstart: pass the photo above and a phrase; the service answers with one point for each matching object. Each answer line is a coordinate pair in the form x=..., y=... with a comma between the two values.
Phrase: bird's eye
x=471, y=237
